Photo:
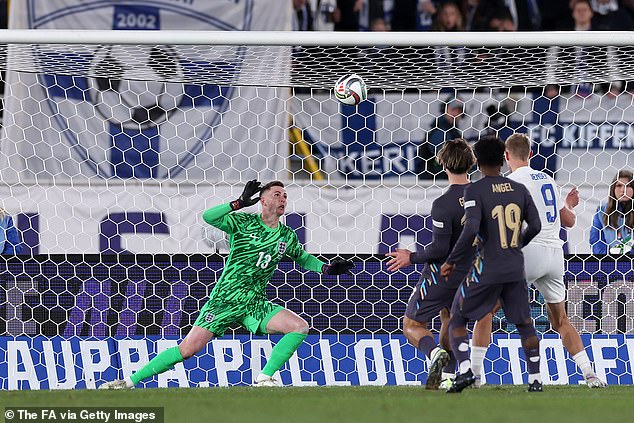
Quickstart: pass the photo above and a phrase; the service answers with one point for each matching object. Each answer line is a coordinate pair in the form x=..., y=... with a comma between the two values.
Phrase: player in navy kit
x=495, y=209
x=543, y=258
x=434, y=294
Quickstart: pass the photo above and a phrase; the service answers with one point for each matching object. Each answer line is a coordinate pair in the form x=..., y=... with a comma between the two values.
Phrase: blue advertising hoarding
x=76, y=321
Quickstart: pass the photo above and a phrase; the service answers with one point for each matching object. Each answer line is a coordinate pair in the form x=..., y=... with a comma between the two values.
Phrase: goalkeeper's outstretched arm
x=220, y=216
x=310, y=262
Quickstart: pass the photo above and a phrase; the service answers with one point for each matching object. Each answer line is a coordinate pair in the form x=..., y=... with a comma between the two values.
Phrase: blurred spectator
x=346, y=16
x=356, y=15
x=448, y=18
x=502, y=21
x=426, y=12
x=478, y=13
x=404, y=15
x=582, y=15
x=527, y=15
x=379, y=25
x=608, y=17
x=303, y=16
x=324, y=17
x=628, y=6
x=10, y=240
x=555, y=15
x=445, y=128
x=613, y=223
x=604, y=7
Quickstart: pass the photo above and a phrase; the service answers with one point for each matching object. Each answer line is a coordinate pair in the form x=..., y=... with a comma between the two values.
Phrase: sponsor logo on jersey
x=281, y=247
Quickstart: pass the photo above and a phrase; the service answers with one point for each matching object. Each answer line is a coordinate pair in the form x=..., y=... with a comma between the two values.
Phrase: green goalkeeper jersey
x=255, y=251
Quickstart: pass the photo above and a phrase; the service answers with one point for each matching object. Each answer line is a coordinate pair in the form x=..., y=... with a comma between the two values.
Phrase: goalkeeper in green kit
x=258, y=244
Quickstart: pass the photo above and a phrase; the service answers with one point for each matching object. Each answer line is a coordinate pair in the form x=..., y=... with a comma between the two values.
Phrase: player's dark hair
x=518, y=146
x=271, y=185
x=489, y=151
x=614, y=210
x=456, y=156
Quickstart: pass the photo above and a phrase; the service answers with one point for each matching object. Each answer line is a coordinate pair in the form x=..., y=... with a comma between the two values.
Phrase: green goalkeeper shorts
x=217, y=316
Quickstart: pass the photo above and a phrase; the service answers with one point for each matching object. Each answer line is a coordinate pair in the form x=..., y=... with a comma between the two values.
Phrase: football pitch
x=383, y=404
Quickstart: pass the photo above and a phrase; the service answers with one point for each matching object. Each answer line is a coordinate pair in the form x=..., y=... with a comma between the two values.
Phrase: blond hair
x=518, y=146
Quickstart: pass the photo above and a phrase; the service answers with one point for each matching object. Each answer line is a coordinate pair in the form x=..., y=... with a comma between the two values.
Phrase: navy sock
x=450, y=367
x=459, y=344
x=426, y=345
x=532, y=360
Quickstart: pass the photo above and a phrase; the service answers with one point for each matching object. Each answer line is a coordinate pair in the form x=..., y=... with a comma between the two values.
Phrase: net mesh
x=382, y=67
x=116, y=149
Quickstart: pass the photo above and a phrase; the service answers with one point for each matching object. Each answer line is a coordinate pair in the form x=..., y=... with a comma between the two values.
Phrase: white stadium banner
x=59, y=126
x=168, y=219
x=594, y=136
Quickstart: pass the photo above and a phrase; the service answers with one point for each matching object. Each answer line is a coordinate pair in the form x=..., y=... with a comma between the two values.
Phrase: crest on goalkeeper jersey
x=281, y=248
x=132, y=118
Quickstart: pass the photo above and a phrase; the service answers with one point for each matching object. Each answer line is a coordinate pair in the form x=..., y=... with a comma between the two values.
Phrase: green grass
x=490, y=404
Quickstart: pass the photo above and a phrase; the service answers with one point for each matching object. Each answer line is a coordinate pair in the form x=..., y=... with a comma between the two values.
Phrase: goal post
x=115, y=142
x=385, y=60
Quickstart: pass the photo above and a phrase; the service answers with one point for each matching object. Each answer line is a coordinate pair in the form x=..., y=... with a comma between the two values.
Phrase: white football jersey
x=545, y=194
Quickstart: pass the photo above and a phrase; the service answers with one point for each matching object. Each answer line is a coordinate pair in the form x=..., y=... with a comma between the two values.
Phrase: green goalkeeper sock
x=282, y=351
x=162, y=362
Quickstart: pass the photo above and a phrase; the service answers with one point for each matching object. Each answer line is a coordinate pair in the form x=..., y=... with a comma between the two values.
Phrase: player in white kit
x=543, y=258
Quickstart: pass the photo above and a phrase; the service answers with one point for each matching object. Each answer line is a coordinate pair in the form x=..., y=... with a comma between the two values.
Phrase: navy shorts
x=429, y=297
x=474, y=300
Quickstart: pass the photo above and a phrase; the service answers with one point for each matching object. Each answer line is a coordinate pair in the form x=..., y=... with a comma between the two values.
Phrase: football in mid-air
x=351, y=90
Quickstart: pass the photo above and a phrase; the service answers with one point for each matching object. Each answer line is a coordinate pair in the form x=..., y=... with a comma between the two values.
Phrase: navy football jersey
x=495, y=210
x=447, y=215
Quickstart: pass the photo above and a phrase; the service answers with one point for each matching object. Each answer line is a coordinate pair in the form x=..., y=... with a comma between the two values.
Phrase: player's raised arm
x=219, y=216
x=567, y=212
x=336, y=267
x=310, y=262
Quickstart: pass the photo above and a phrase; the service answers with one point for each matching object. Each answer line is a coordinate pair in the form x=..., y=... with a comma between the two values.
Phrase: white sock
x=536, y=377
x=582, y=360
x=128, y=382
x=464, y=366
x=446, y=375
x=433, y=353
x=477, y=359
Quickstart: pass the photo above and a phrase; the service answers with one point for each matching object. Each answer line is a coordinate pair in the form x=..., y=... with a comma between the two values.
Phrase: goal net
x=115, y=142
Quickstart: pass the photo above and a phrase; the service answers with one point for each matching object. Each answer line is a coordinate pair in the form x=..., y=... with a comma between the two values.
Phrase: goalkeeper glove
x=250, y=189
x=338, y=267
